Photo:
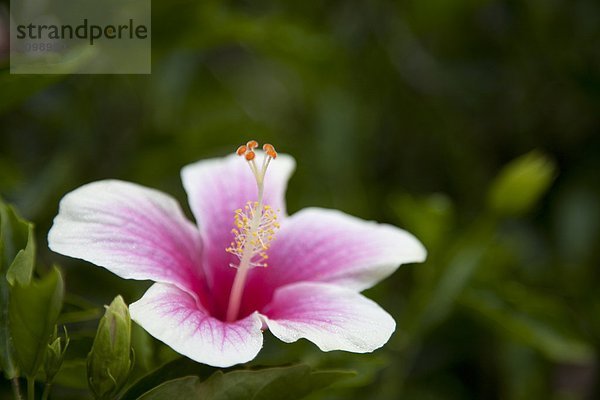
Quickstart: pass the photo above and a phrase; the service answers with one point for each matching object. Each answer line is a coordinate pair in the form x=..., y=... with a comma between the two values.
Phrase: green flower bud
x=55, y=354
x=521, y=184
x=110, y=359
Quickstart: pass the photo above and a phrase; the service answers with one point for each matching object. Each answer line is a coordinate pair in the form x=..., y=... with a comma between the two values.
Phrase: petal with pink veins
x=173, y=316
x=332, y=317
x=133, y=231
x=321, y=245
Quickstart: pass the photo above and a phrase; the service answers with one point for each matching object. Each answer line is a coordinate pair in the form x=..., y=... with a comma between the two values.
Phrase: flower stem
x=16, y=388
x=46, y=392
x=30, y=388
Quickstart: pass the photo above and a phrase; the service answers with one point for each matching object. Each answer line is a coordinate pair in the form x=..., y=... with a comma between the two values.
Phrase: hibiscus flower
x=244, y=267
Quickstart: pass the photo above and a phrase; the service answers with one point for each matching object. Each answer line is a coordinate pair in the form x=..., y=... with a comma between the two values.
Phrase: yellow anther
x=254, y=230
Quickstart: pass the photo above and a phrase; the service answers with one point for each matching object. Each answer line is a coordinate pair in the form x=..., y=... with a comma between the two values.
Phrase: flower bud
x=521, y=184
x=110, y=359
x=55, y=354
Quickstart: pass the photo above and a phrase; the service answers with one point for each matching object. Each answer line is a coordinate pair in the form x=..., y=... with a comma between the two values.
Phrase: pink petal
x=133, y=231
x=173, y=316
x=216, y=188
x=330, y=246
x=332, y=317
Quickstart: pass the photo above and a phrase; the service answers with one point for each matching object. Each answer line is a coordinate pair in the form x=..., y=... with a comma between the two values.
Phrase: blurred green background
x=406, y=112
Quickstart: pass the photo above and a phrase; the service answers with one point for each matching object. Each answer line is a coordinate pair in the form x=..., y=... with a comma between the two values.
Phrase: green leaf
x=175, y=369
x=180, y=388
x=14, y=235
x=7, y=363
x=521, y=184
x=21, y=269
x=532, y=330
x=80, y=316
x=55, y=353
x=278, y=383
x=33, y=311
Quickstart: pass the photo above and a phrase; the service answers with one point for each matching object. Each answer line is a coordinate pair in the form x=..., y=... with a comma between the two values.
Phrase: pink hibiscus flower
x=245, y=267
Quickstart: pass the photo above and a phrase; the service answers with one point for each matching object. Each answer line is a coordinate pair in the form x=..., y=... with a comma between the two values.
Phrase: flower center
x=255, y=228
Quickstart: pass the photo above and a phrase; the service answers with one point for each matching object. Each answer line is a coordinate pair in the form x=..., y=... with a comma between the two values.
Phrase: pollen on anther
x=241, y=150
x=250, y=155
x=253, y=233
x=252, y=144
x=270, y=150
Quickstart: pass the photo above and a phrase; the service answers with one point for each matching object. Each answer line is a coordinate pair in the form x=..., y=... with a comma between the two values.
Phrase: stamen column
x=255, y=228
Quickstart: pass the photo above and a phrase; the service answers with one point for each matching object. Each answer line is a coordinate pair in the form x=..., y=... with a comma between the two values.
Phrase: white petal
x=133, y=231
x=332, y=317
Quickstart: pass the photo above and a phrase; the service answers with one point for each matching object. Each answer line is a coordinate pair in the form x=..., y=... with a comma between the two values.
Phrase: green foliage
x=29, y=308
x=34, y=310
x=184, y=379
x=281, y=383
x=17, y=259
x=179, y=368
x=556, y=341
x=180, y=388
x=110, y=360
x=16, y=250
x=468, y=267
x=55, y=354
x=21, y=268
